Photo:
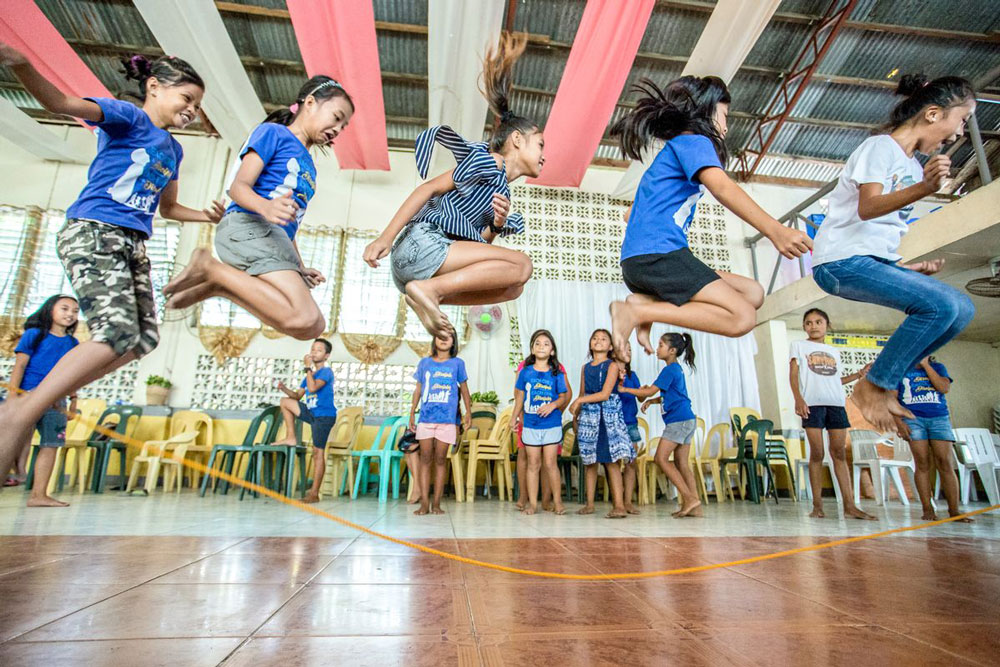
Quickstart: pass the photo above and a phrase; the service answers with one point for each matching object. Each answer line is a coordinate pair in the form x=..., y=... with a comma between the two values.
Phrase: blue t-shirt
x=288, y=167
x=540, y=387
x=673, y=389
x=630, y=405
x=135, y=160
x=439, y=382
x=667, y=197
x=321, y=404
x=48, y=353
x=919, y=396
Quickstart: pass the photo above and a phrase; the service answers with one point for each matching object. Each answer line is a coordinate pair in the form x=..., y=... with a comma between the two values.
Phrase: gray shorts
x=680, y=432
x=252, y=244
x=418, y=253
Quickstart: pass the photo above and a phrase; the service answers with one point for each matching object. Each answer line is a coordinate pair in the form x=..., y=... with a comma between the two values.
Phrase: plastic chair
x=389, y=458
x=980, y=458
x=569, y=459
x=270, y=465
x=483, y=421
x=153, y=454
x=127, y=419
x=494, y=448
x=802, y=470
x=339, y=462
x=706, y=457
x=263, y=428
x=864, y=445
x=751, y=453
x=79, y=432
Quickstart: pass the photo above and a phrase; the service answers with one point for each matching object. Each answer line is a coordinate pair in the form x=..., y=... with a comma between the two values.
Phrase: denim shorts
x=633, y=433
x=51, y=429
x=680, y=432
x=418, y=252
x=253, y=245
x=931, y=428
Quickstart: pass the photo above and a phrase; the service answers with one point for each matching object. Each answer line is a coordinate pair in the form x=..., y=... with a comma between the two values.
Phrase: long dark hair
x=682, y=343
x=321, y=87
x=553, y=358
x=590, y=349
x=42, y=319
x=821, y=313
x=919, y=93
x=686, y=105
x=498, y=84
x=452, y=351
x=168, y=70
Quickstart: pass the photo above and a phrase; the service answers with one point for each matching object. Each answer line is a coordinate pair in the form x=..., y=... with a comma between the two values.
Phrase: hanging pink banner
x=598, y=66
x=337, y=38
x=25, y=27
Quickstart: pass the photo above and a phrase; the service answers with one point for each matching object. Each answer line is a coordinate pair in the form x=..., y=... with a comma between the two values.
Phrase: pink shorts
x=447, y=433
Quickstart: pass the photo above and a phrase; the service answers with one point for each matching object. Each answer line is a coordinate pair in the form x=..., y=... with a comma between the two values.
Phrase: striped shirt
x=463, y=213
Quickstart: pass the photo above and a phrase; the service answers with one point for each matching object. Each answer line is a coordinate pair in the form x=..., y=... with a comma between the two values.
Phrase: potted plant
x=485, y=401
x=157, y=390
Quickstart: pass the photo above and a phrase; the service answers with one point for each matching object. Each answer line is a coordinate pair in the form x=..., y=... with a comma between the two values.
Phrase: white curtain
x=725, y=376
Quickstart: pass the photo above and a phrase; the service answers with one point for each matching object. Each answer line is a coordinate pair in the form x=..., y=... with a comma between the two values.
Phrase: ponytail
x=919, y=93
x=168, y=70
x=498, y=85
x=684, y=345
x=320, y=87
x=686, y=105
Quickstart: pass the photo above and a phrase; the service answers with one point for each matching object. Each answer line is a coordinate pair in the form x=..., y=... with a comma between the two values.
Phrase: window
x=16, y=231
x=369, y=300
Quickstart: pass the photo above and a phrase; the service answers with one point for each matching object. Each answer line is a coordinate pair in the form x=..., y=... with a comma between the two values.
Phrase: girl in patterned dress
x=601, y=434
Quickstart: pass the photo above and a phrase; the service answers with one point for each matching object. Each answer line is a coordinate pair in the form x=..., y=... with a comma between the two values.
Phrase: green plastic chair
x=263, y=428
x=748, y=457
x=389, y=459
x=104, y=448
x=273, y=466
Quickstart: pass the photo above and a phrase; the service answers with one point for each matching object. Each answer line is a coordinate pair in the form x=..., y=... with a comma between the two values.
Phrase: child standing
x=261, y=268
x=819, y=400
x=441, y=238
x=102, y=245
x=679, y=422
x=313, y=403
x=48, y=336
x=670, y=284
x=441, y=378
x=856, y=247
x=601, y=433
x=540, y=394
x=929, y=432
x=630, y=411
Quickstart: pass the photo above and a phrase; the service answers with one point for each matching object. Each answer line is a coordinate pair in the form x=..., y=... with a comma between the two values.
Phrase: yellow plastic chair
x=153, y=455
x=718, y=433
x=339, y=445
x=494, y=448
x=78, y=433
x=457, y=456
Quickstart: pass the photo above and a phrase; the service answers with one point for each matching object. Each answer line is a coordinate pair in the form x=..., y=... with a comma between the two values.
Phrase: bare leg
x=922, y=459
x=440, y=474
x=43, y=470
x=684, y=467
x=815, y=438
x=319, y=471
x=590, y=477
x=941, y=450
x=522, y=478
x=534, y=465
x=838, y=452
x=550, y=463
x=485, y=297
x=426, y=461
x=613, y=471
x=662, y=459
x=545, y=491
x=879, y=406
x=629, y=480
x=289, y=411
x=413, y=463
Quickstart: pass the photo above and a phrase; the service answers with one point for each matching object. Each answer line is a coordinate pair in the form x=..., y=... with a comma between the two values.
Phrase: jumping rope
x=256, y=488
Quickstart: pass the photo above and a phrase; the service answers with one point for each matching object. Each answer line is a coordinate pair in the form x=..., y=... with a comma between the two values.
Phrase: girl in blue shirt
x=441, y=238
x=441, y=381
x=48, y=336
x=261, y=268
x=678, y=418
x=630, y=411
x=102, y=245
x=670, y=284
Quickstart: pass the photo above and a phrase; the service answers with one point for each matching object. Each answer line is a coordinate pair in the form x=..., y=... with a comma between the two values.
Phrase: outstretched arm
x=380, y=247
x=50, y=97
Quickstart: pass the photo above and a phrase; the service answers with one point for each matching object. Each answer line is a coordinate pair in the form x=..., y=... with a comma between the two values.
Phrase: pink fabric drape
x=337, y=38
x=598, y=66
x=26, y=28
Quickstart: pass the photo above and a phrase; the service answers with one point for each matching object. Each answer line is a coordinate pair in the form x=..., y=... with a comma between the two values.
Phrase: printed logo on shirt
x=139, y=187
x=822, y=363
x=536, y=395
x=312, y=400
x=299, y=182
x=898, y=183
x=920, y=391
x=685, y=212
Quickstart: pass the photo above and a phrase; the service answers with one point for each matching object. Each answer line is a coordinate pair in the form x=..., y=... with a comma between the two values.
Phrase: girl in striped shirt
x=441, y=238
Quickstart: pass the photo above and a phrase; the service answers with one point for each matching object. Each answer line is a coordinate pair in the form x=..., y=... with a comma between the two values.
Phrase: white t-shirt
x=819, y=373
x=843, y=233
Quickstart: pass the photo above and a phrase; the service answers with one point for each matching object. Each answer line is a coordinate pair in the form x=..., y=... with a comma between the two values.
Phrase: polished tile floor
x=180, y=580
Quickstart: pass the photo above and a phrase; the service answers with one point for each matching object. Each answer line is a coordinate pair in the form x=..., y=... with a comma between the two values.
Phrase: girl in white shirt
x=855, y=252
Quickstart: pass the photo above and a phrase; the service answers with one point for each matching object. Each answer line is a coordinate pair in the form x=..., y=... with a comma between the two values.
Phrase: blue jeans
x=936, y=312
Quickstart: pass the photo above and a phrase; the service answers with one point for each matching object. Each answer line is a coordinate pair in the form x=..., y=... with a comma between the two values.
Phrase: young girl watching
x=441, y=379
x=601, y=434
x=668, y=283
x=630, y=411
x=679, y=422
x=442, y=236
x=261, y=268
x=48, y=336
x=814, y=374
x=856, y=247
x=102, y=245
x=540, y=394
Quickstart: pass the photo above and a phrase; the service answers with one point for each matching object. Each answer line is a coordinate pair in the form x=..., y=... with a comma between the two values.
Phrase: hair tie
x=294, y=108
x=506, y=116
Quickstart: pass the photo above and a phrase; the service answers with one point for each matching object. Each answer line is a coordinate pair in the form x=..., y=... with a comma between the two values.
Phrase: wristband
x=495, y=229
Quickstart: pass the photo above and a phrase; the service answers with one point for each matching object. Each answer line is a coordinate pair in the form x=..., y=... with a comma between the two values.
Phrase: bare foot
x=415, y=501
x=287, y=442
x=428, y=308
x=817, y=513
x=195, y=273
x=871, y=401
x=688, y=510
x=189, y=297
x=46, y=501
x=547, y=506
x=616, y=514
x=520, y=505
x=623, y=322
x=632, y=510
x=642, y=330
x=675, y=514
x=559, y=509
x=311, y=498
x=928, y=515
x=964, y=519
x=421, y=511
x=437, y=510
x=586, y=509
x=858, y=513
x=529, y=510
x=698, y=511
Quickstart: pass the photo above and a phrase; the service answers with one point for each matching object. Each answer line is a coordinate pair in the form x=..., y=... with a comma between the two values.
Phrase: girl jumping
x=856, y=246
x=442, y=236
x=102, y=245
x=261, y=268
x=668, y=282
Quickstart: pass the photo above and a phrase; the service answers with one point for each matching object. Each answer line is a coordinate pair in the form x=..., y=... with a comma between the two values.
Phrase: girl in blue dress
x=442, y=236
x=601, y=434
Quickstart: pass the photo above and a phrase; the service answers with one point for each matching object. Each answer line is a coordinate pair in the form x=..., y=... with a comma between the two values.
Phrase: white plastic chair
x=864, y=445
x=802, y=469
x=981, y=459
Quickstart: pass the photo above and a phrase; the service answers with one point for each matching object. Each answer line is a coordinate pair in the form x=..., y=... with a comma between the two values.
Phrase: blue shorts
x=321, y=426
x=51, y=429
x=931, y=428
x=633, y=433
